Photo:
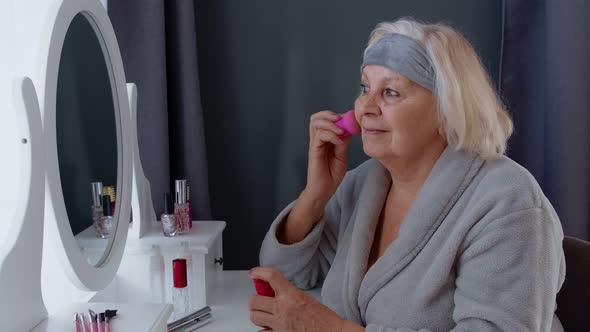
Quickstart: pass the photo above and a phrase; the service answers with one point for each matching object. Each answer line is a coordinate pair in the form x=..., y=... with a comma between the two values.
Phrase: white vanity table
x=51, y=262
x=44, y=81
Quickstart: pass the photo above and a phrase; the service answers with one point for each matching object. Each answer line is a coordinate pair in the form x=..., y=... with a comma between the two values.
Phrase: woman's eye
x=363, y=89
x=391, y=93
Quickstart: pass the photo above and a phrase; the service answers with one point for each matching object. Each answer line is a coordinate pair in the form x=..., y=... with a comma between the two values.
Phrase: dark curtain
x=266, y=66
x=545, y=80
x=158, y=44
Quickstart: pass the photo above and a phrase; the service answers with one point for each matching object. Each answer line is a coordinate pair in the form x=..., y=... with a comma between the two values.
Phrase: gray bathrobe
x=480, y=250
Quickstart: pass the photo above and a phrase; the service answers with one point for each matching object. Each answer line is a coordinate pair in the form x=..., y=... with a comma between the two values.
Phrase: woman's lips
x=372, y=131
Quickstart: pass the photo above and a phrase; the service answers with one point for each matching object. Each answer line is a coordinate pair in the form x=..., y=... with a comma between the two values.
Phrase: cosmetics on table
x=86, y=323
x=181, y=208
x=180, y=292
x=191, y=321
x=78, y=323
x=168, y=218
x=102, y=322
x=96, y=207
x=109, y=314
x=93, y=322
x=111, y=192
x=105, y=223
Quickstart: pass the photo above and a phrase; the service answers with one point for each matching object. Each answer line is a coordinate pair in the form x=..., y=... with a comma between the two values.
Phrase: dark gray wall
x=266, y=66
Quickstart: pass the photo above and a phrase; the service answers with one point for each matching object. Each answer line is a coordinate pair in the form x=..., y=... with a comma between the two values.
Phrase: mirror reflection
x=87, y=139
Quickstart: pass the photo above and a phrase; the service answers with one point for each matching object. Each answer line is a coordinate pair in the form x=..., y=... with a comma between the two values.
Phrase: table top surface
x=229, y=306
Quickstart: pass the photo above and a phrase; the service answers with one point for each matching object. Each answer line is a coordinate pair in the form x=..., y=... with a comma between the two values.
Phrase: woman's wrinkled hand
x=291, y=310
x=327, y=163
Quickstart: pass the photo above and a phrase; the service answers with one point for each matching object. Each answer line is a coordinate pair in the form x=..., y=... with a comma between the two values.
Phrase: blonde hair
x=470, y=111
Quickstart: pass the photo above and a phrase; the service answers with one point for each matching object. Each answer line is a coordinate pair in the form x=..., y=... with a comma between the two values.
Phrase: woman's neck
x=408, y=174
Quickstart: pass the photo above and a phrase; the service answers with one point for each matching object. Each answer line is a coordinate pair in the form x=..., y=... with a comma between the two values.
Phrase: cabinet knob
x=219, y=260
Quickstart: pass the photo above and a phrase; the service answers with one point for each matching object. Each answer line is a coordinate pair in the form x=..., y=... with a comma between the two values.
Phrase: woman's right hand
x=327, y=163
x=326, y=168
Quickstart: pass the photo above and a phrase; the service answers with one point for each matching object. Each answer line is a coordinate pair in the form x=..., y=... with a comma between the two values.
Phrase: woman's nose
x=368, y=105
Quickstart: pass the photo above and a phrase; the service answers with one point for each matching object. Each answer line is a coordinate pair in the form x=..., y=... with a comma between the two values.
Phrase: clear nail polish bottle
x=105, y=224
x=168, y=219
x=180, y=292
x=181, y=208
x=96, y=207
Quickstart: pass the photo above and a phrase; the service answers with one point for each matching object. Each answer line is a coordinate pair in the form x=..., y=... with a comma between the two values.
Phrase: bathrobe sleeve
x=307, y=262
x=508, y=273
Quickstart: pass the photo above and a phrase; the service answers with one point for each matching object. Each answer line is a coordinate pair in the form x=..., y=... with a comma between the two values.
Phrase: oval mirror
x=86, y=139
x=86, y=127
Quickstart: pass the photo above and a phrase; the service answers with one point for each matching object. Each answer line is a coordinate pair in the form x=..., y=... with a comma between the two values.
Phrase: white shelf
x=145, y=274
x=130, y=317
x=199, y=239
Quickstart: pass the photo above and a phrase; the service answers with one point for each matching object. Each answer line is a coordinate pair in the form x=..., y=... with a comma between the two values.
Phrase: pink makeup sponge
x=348, y=124
x=263, y=288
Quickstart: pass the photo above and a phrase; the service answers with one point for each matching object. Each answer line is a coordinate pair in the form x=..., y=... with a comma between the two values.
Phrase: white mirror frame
x=21, y=308
x=141, y=201
x=58, y=231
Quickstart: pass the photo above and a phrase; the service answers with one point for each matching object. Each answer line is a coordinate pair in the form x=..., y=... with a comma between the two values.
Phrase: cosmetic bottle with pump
x=168, y=219
x=181, y=209
x=183, y=252
x=105, y=223
x=96, y=207
x=180, y=292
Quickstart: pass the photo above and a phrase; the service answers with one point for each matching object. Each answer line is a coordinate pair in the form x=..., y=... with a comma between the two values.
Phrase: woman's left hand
x=291, y=310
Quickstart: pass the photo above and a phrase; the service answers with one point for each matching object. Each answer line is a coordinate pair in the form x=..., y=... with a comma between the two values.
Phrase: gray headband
x=405, y=56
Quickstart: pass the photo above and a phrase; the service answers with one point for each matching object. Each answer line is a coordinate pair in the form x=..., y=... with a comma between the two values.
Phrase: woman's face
x=398, y=117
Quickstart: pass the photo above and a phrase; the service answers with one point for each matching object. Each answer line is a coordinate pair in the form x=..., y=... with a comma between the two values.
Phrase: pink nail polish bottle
x=181, y=208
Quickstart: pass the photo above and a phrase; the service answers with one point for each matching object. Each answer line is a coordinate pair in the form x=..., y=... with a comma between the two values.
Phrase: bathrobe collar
x=448, y=179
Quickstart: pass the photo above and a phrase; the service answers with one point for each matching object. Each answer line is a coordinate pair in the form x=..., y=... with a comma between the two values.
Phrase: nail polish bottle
x=168, y=219
x=105, y=224
x=181, y=211
x=101, y=322
x=180, y=292
x=111, y=192
x=96, y=207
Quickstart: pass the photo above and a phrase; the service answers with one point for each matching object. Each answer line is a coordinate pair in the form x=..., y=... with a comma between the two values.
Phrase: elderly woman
x=438, y=231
